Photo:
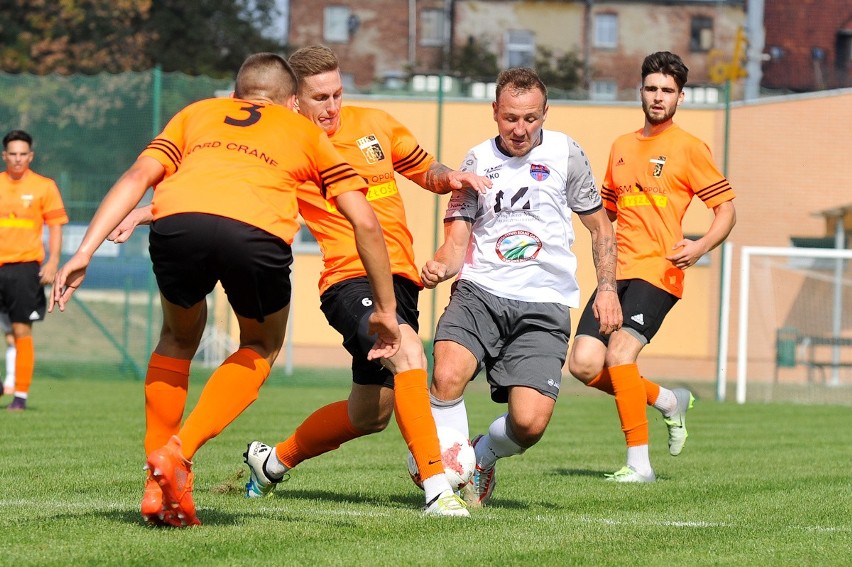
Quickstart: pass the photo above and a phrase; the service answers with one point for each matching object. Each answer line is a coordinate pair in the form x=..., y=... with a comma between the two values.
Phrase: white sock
x=434, y=486
x=450, y=413
x=638, y=459
x=497, y=443
x=11, y=355
x=666, y=402
x=273, y=467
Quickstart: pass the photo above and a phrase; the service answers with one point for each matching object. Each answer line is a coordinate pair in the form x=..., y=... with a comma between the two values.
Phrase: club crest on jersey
x=27, y=201
x=371, y=148
x=539, y=172
x=518, y=246
x=657, y=165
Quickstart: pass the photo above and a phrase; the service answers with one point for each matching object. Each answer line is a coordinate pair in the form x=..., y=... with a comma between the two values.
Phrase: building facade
x=808, y=45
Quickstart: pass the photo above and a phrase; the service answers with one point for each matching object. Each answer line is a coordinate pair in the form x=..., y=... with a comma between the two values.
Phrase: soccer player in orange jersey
x=28, y=201
x=652, y=175
x=225, y=173
x=377, y=146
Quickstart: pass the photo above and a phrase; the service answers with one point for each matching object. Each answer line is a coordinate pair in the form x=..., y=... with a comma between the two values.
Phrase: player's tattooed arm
x=440, y=179
x=606, y=307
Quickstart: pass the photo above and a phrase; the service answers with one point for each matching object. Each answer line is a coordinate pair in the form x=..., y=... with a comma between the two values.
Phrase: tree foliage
x=209, y=37
x=474, y=60
x=564, y=72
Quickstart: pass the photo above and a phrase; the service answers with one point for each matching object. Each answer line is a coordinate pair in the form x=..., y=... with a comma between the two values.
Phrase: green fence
x=87, y=130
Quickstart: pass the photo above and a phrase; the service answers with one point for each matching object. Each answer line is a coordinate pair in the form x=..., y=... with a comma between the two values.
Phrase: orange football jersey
x=245, y=160
x=376, y=145
x=26, y=205
x=650, y=182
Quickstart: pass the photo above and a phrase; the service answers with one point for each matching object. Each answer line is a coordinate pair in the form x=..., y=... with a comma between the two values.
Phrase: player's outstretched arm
x=141, y=215
x=441, y=179
x=607, y=308
x=118, y=202
x=370, y=242
x=449, y=257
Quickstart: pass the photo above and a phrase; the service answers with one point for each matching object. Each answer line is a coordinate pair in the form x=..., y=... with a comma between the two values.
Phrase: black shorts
x=193, y=251
x=347, y=306
x=643, y=306
x=21, y=293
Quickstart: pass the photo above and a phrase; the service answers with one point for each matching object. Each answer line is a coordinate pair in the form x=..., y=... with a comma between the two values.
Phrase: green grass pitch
x=759, y=484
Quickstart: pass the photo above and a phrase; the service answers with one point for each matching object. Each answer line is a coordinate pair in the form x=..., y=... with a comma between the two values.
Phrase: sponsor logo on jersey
x=518, y=246
x=371, y=148
x=493, y=172
x=619, y=162
x=539, y=172
x=657, y=165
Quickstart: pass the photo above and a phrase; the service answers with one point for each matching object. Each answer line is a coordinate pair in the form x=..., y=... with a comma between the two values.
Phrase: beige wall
x=788, y=159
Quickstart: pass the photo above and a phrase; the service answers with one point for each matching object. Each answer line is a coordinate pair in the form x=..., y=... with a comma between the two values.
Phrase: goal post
x=795, y=321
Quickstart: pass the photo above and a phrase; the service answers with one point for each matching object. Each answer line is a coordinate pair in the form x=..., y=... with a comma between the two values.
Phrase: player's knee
x=528, y=432
x=369, y=424
x=583, y=370
x=447, y=384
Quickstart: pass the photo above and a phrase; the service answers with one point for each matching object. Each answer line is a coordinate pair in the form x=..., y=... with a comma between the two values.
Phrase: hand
x=125, y=228
x=607, y=310
x=462, y=179
x=689, y=253
x=67, y=280
x=386, y=327
x=433, y=273
x=47, y=273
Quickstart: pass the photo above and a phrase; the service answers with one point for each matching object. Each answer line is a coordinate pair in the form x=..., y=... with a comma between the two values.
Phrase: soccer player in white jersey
x=510, y=249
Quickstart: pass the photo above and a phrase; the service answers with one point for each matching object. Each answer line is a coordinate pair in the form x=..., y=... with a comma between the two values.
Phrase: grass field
x=760, y=484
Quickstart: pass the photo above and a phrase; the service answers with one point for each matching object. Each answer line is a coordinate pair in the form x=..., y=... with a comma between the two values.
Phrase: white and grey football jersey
x=522, y=231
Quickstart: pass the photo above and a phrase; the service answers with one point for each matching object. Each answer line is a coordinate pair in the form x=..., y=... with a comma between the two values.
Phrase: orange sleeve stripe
x=168, y=148
x=411, y=161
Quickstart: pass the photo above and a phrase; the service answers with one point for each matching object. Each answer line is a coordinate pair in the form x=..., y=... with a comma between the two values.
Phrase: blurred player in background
x=511, y=249
x=28, y=201
x=376, y=145
x=225, y=173
x=651, y=177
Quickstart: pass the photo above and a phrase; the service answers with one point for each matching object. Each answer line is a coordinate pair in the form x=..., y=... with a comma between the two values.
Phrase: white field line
x=50, y=507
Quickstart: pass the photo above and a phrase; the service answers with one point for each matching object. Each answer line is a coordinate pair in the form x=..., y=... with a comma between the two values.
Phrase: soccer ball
x=458, y=456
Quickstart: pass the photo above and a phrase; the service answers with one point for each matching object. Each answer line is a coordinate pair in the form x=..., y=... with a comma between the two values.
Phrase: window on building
x=701, y=34
x=520, y=48
x=335, y=24
x=844, y=53
x=603, y=89
x=606, y=30
x=432, y=27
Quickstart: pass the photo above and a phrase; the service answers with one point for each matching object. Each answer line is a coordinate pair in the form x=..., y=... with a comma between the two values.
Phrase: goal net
x=795, y=325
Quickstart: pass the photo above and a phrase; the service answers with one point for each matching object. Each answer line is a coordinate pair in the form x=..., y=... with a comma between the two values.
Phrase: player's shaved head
x=266, y=75
x=313, y=60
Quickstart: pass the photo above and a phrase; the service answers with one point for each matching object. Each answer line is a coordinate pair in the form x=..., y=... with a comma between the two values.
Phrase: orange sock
x=414, y=417
x=166, y=385
x=603, y=382
x=230, y=390
x=630, y=400
x=24, y=364
x=324, y=430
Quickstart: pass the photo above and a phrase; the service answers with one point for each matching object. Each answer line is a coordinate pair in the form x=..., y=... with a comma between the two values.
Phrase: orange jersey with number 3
x=650, y=182
x=245, y=161
x=376, y=145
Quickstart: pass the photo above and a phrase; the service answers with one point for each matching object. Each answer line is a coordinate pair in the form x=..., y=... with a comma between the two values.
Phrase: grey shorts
x=519, y=343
